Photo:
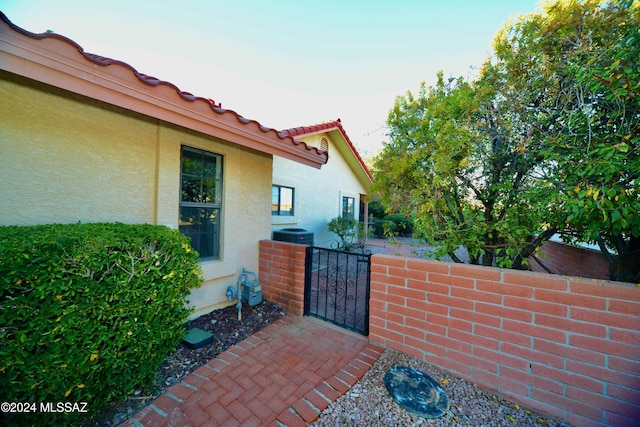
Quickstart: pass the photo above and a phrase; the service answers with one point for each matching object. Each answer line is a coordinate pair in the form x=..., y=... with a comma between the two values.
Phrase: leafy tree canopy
x=546, y=139
x=455, y=161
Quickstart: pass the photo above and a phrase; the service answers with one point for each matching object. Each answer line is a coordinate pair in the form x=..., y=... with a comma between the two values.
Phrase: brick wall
x=567, y=347
x=564, y=346
x=572, y=261
x=281, y=274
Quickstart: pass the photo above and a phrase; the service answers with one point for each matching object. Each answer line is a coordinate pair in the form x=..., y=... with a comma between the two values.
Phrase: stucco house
x=85, y=138
x=306, y=198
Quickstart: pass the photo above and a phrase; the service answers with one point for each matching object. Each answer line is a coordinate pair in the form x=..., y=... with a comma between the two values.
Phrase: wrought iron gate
x=337, y=287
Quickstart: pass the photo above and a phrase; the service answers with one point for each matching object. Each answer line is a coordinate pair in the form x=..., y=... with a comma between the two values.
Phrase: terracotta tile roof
x=326, y=127
x=313, y=155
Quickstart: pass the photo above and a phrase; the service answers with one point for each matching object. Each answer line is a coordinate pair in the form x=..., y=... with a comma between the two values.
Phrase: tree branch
x=455, y=258
x=535, y=258
x=604, y=249
x=529, y=249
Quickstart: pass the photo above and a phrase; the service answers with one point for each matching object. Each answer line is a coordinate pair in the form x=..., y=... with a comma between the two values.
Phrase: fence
x=570, y=260
x=564, y=346
x=336, y=287
x=282, y=274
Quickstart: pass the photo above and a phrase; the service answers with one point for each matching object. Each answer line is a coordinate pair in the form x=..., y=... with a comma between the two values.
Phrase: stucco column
x=366, y=216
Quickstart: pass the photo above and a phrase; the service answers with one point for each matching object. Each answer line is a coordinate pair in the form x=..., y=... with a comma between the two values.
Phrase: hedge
x=88, y=312
x=383, y=228
x=403, y=223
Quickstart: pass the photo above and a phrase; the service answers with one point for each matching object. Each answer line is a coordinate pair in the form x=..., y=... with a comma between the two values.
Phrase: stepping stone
x=417, y=392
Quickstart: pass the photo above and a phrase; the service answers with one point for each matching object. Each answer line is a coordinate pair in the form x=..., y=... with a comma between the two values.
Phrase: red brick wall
x=572, y=261
x=281, y=274
x=564, y=346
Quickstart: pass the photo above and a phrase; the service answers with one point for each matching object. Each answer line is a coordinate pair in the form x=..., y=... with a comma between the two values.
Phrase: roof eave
x=353, y=160
x=336, y=126
x=60, y=62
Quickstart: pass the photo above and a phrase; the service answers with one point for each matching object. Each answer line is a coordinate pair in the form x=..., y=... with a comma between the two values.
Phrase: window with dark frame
x=201, y=200
x=348, y=207
x=282, y=199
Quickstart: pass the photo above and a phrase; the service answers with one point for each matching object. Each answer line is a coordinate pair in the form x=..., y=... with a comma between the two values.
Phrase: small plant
x=349, y=230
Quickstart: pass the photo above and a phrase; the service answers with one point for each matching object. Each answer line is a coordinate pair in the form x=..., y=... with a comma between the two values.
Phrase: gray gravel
x=369, y=404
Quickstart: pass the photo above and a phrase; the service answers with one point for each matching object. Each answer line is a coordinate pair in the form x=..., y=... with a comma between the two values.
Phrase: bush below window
x=89, y=312
x=349, y=231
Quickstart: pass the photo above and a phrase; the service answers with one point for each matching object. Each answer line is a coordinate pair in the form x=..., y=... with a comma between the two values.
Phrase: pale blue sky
x=285, y=63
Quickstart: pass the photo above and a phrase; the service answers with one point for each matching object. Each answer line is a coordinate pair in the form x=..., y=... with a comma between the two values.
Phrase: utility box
x=251, y=289
x=294, y=235
x=252, y=294
x=197, y=338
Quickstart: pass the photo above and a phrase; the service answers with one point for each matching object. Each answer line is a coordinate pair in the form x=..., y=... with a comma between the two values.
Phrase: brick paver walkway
x=284, y=375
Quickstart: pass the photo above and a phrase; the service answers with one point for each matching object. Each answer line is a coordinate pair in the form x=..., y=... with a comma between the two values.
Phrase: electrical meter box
x=251, y=289
x=252, y=294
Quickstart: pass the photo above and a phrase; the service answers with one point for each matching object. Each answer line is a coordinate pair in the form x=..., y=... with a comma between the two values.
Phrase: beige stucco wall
x=318, y=193
x=64, y=161
x=246, y=209
x=65, y=158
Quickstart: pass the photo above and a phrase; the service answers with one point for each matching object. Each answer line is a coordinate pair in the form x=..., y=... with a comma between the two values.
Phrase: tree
x=576, y=70
x=545, y=140
x=455, y=162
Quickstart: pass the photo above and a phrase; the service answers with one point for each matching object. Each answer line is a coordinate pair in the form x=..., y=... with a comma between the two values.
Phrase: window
x=201, y=200
x=348, y=207
x=281, y=201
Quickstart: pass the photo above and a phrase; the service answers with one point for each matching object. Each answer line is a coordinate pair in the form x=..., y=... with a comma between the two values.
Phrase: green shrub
x=349, y=230
x=404, y=225
x=89, y=312
x=384, y=228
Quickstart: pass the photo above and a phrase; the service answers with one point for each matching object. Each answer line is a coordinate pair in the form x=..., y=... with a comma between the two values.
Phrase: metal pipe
x=243, y=275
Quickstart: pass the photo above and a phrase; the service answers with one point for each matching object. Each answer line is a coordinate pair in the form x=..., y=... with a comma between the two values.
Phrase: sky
x=286, y=63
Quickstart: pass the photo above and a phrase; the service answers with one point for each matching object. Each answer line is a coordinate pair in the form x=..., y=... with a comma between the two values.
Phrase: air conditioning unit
x=294, y=235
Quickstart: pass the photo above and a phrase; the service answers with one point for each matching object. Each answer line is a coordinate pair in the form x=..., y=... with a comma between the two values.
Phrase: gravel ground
x=369, y=404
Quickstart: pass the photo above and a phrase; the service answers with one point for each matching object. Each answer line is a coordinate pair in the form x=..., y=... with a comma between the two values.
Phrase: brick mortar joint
x=158, y=411
x=347, y=373
x=319, y=393
x=313, y=407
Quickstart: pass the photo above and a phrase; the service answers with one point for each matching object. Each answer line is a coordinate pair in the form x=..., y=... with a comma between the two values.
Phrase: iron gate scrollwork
x=337, y=287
